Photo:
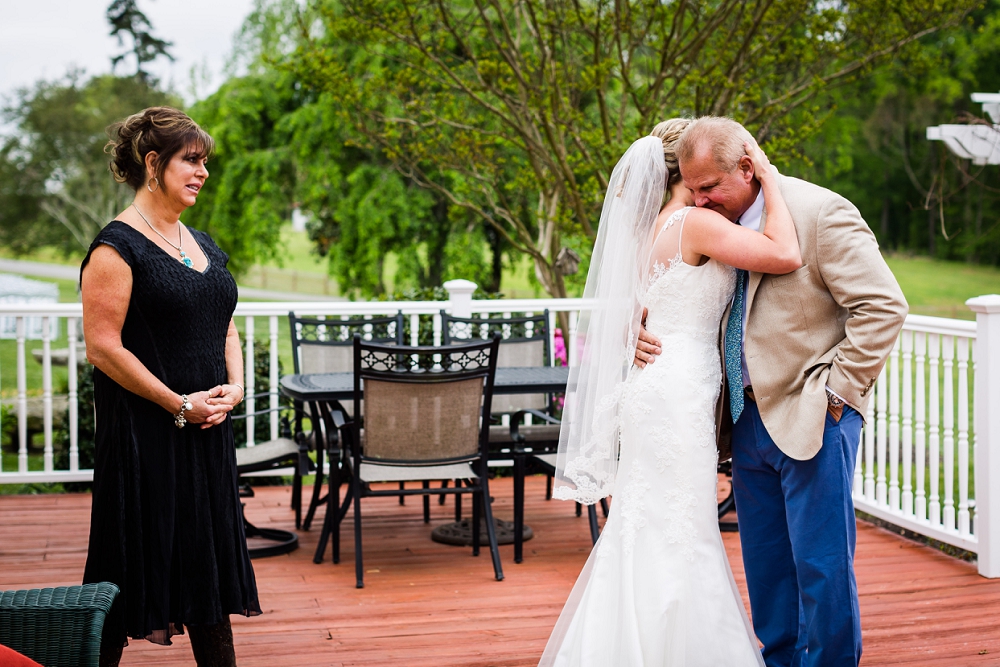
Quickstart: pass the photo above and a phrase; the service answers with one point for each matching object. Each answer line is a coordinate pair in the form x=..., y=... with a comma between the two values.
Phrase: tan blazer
x=832, y=322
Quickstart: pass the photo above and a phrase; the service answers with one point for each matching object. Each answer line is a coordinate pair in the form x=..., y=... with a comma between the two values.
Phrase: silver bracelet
x=179, y=420
x=243, y=392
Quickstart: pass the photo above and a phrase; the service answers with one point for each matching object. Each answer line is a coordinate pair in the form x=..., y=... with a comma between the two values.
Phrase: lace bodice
x=686, y=299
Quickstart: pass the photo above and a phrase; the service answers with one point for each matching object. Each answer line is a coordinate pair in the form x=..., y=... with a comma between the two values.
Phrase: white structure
x=979, y=143
x=20, y=290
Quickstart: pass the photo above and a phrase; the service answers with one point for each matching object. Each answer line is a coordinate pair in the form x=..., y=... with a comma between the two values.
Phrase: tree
x=126, y=18
x=873, y=148
x=55, y=186
x=280, y=146
x=526, y=104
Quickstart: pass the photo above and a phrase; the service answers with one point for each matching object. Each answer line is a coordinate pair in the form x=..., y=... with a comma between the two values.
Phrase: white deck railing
x=914, y=465
x=929, y=456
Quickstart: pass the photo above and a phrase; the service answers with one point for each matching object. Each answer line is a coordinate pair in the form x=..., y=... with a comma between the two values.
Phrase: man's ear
x=745, y=165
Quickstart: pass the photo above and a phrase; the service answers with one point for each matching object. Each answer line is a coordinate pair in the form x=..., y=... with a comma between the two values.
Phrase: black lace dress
x=165, y=524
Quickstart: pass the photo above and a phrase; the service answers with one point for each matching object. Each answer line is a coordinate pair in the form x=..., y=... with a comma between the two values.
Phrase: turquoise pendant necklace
x=180, y=238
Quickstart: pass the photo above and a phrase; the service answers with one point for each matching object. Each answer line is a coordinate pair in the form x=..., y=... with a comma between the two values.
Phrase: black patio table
x=325, y=387
x=510, y=380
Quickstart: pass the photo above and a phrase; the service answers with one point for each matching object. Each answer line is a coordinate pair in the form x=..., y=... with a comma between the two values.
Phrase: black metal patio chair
x=327, y=346
x=531, y=447
x=274, y=455
x=426, y=418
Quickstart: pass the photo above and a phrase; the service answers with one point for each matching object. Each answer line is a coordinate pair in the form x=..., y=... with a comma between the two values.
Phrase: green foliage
x=262, y=378
x=55, y=186
x=281, y=146
x=86, y=431
x=873, y=149
x=526, y=106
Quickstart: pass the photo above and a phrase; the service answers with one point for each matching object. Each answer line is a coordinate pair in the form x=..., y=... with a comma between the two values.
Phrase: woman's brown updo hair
x=669, y=131
x=161, y=129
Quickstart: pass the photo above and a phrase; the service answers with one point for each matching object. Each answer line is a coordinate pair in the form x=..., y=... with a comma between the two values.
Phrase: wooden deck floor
x=429, y=604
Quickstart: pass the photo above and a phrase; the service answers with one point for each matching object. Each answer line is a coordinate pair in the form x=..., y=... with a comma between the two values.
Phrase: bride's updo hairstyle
x=161, y=129
x=669, y=131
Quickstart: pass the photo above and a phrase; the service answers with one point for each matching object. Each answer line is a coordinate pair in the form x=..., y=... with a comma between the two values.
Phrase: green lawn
x=939, y=288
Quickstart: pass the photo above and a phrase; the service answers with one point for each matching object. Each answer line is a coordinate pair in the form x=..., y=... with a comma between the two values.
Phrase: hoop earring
x=153, y=180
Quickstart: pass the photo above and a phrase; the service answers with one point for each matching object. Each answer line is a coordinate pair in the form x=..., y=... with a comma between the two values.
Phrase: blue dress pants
x=797, y=528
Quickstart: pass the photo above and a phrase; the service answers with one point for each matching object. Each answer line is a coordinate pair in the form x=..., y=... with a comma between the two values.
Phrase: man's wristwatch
x=834, y=400
x=179, y=420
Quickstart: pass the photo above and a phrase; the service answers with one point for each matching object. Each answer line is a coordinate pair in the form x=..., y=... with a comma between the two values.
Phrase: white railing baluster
x=72, y=370
x=414, y=329
x=250, y=379
x=858, y=483
x=934, y=430
x=22, y=398
x=948, y=354
x=273, y=376
x=881, y=436
x=47, y=455
x=920, y=432
x=963, y=436
x=974, y=507
x=894, y=427
x=869, y=441
x=907, y=424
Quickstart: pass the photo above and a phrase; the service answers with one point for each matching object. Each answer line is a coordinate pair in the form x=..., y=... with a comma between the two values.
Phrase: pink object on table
x=559, y=347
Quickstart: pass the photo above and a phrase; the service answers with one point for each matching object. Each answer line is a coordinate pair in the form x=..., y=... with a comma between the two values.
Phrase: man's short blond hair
x=723, y=135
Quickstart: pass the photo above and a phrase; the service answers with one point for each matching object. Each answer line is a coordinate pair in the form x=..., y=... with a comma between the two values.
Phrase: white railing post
x=987, y=429
x=460, y=297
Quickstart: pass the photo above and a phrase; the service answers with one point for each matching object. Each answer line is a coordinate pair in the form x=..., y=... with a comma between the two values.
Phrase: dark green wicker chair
x=57, y=627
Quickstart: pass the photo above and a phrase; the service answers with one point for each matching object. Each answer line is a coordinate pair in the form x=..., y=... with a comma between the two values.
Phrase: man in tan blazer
x=800, y=355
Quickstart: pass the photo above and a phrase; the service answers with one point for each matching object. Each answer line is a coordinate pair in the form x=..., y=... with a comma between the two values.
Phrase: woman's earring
x=153, y=180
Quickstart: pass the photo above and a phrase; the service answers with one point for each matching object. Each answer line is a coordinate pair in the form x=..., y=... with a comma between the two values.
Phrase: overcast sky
x=43, y=39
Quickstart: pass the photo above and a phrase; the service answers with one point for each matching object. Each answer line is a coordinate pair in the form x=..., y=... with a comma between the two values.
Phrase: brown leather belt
x=749, y=393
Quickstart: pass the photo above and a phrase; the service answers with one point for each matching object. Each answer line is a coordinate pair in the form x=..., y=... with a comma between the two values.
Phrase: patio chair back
x=424, y=405
x=327, y=346
x=524, y=342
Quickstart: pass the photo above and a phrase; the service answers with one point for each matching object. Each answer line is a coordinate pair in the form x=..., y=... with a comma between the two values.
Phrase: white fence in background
x=929, y=456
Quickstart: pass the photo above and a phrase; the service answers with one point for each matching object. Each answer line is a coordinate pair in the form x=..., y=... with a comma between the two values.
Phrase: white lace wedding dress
x=657, y=588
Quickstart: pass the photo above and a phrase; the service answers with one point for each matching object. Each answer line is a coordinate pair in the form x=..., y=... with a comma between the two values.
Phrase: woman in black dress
x=157, y=315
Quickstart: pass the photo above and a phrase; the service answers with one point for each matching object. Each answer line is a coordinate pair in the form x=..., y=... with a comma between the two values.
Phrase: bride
x=657, y=588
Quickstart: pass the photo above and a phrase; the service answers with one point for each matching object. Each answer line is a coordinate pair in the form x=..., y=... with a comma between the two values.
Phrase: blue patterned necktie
x=734, y=349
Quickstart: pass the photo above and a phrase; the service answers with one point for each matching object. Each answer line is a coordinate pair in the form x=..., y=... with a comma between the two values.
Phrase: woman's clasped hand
x=209, y=408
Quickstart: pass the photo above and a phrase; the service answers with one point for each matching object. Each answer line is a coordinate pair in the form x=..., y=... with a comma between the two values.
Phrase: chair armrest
x=56, y=626
x=518, y=417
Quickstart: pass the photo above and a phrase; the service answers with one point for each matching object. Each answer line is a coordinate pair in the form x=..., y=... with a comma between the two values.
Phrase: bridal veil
x=609, y=325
